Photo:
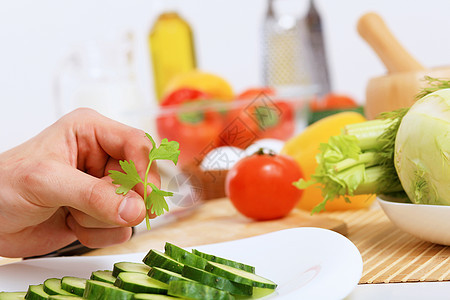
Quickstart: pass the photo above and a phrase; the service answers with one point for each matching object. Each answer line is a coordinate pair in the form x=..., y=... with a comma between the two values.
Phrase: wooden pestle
x=374, y=31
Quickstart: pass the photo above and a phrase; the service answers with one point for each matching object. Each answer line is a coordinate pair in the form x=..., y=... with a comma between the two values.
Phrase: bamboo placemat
x=391, y=255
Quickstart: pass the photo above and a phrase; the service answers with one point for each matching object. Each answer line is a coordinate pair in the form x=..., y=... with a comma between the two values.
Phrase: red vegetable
x=260, y=186
x=197, y=131
x=333, y=101
x=262, y=117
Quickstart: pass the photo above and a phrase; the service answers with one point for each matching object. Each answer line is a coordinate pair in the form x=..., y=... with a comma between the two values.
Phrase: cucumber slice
x=240, y=276
x=125, y=266
x=140, y=283
x=99, y=290
x=184, y=257
x=73, y=285
x=103, y=275
x=195, y=290
x=12, y=295
x=63, y=297
x=153, y=297
x=217, y=282
x=36, y=292
x=224, y=261
x=165, y=276
x=52, y=286
x=155, y=258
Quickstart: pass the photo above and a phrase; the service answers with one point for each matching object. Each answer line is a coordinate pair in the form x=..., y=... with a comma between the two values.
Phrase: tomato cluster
x=201, y=124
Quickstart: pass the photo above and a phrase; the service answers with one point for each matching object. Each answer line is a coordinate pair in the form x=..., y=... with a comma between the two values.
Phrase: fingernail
x=130, y=209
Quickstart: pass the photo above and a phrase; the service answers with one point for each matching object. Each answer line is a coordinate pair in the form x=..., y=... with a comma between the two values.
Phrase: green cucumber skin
x=195, y=290
x=224, y=261
x=185, y=257
x=151, y=286
x=155, y=258
x=36, y=292
x=52, y=286
x=217, y=282
x=63, y=297
x=73, y=285
x=98, y=290
x=12, y=295
x=165, y=276
x=103, y=275
x=218, y=269
x=125, y=266
x=153, y=297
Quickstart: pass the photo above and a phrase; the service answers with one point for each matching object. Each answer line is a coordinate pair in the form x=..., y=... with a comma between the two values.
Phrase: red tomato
x=275, y=118
x=241, y=129
x=333, y=101
x=196, y=131
x=253, y=93
x=196, y=138
x=260, y=186
x=183, y=95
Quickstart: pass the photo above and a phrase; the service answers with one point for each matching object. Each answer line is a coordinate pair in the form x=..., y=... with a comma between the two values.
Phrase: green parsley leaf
x=126, y=180
x=166, y=151
x=156, y=201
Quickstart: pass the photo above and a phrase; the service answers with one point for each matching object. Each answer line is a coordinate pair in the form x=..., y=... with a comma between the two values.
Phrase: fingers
x=98, y=237
x=96, y=134
x=54, y=184
x=101, y=142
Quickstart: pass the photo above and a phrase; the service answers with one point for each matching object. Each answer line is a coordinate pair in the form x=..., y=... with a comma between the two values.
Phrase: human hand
x=56, y=189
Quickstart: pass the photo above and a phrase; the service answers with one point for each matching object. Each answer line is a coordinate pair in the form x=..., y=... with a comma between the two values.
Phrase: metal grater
x=286, y=53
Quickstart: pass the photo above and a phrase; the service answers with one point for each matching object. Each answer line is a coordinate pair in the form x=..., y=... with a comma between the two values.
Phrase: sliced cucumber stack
x=125, y=266
x=99, y=290
x=224, y=261
x=240, y=276
x=12, y=295
x=73, y=285
x=216, y=281
x=140, y=283
x=155, y=258
x=103, y=275
x=163, y=276
x=195, y=290
x=185, y=257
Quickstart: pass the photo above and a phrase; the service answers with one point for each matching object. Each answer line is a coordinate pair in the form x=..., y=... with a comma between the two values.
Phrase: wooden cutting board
x=216, y=221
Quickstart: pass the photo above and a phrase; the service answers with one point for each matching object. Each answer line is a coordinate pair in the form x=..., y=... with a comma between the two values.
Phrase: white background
x=35, y=36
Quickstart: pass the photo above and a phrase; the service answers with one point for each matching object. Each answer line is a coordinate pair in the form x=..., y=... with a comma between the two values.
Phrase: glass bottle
x=172, y=49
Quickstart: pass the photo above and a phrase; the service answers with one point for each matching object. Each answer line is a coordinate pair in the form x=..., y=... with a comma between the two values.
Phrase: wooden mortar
x=405, y=76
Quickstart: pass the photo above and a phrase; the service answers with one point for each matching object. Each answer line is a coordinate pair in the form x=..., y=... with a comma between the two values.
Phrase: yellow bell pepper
x=304, y=148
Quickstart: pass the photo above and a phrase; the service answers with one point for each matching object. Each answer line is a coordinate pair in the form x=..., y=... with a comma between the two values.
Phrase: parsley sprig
x=154, y=200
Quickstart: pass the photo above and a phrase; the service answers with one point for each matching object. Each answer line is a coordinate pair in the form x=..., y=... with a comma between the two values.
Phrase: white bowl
x=427, y=222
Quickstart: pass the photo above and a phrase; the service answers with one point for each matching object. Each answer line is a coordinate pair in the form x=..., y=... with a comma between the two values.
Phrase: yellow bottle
x=172, y=49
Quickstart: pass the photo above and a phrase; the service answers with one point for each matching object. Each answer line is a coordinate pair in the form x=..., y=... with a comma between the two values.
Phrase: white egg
x=222, y=158
x=274, y=145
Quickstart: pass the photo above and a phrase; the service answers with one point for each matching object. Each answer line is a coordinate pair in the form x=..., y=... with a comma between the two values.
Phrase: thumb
x=95, y=197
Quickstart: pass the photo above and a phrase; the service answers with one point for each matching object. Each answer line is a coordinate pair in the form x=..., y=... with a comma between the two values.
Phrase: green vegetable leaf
x=166, y=151
x=126, y=180
x=156, y=202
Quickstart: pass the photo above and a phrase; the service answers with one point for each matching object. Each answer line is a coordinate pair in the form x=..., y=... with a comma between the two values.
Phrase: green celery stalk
x=359, y=161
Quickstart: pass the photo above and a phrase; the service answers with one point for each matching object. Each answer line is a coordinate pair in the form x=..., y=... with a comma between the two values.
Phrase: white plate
x=427, y=222
x=306, y=263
